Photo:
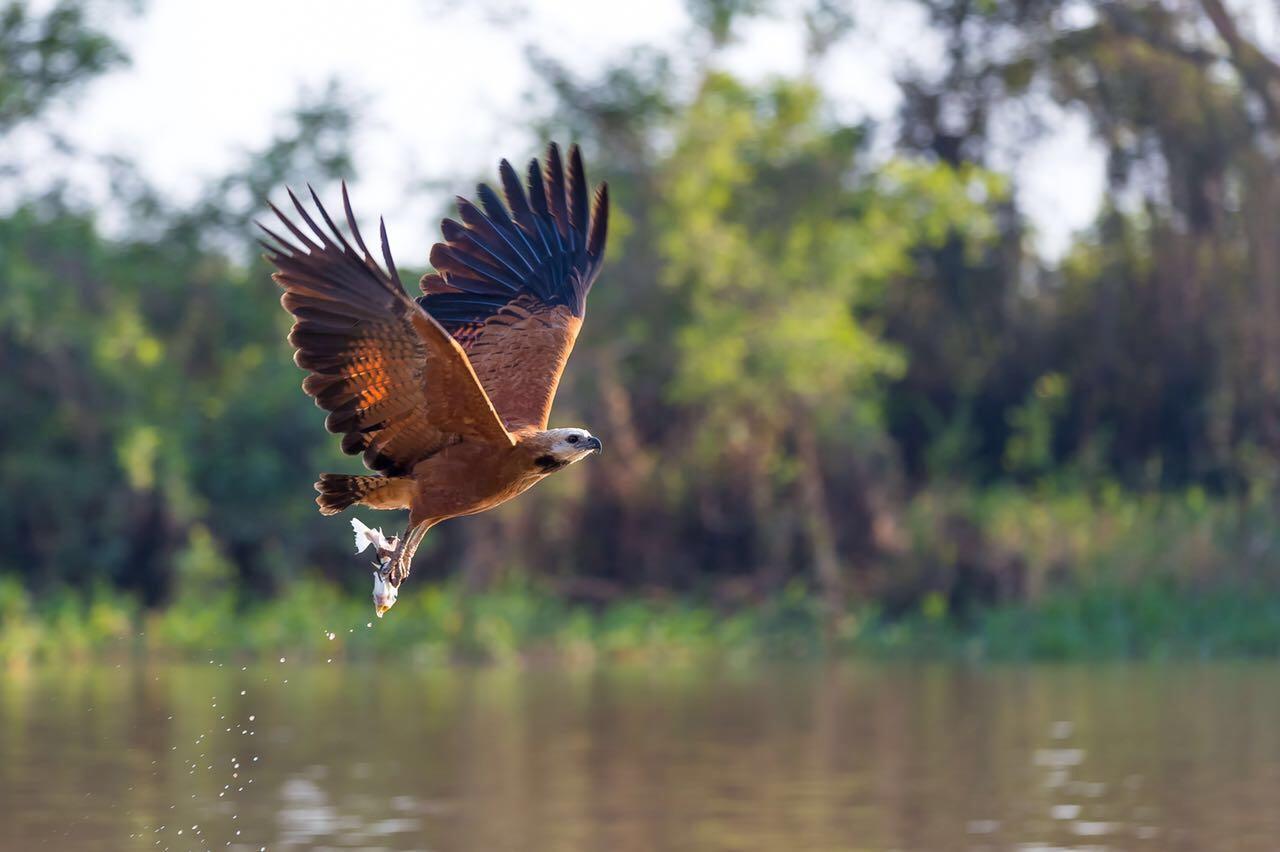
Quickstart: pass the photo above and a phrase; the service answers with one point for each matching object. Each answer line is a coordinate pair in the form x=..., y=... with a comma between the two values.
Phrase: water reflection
x=787, y=758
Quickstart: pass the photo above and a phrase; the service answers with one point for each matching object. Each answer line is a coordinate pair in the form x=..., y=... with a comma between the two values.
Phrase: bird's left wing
x=396, y=385
x=511, y=281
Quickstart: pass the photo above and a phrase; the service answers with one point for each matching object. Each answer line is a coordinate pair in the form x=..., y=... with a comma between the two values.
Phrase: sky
x=444, y=91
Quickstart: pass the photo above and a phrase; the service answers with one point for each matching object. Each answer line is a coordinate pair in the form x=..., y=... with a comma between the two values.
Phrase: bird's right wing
x=511, y=281
x=396, y=385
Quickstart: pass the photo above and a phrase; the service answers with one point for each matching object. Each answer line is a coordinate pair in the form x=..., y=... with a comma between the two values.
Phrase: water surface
x=838, y=757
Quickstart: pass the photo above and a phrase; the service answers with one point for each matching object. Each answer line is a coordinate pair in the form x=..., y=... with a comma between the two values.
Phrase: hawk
x=447, y=395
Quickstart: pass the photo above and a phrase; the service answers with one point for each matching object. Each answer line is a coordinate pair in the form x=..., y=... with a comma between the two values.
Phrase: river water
x=815, y=757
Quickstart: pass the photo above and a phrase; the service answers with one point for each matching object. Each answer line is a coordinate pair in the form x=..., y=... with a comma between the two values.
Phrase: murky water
x=786, y=758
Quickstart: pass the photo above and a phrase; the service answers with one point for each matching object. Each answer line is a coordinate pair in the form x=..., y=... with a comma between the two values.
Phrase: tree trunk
x=817, y=522
x=1260, y=73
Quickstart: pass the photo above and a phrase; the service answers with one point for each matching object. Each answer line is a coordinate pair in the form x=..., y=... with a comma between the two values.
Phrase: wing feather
x=511, y=281
x=397, y=386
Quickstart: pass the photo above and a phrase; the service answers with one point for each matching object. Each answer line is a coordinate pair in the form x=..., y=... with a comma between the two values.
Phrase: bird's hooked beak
x=384, y=593
x=593, y=443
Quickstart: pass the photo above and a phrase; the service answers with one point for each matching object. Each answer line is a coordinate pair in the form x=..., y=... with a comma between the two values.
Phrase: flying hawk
x=446, y=396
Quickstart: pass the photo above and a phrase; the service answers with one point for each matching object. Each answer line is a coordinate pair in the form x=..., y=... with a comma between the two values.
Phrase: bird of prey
x=447, y=395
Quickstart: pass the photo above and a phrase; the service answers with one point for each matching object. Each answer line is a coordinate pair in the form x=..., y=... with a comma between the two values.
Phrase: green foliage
x=717, y=17
x=1133, y=599
x=776, y=254
x=167, y=405
x=45, y=53
x=853, y=410
x=1030, y=448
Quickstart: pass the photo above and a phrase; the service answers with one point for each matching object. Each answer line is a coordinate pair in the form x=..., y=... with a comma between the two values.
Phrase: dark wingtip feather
x=386, y=255
x=546, y=242
x=555, y=190
x=351, y=221
x=535, y=184
x=577, y=190
x=282, y=247
x=306, y=217
x=302, y=211
x=493, y=206
x=514, y=193
x=324, y=214
x=599, y=221
x=293, y=229
x=452, y=230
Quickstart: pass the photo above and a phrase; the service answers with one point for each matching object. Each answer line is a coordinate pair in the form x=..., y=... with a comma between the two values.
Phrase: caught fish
x=384, y=593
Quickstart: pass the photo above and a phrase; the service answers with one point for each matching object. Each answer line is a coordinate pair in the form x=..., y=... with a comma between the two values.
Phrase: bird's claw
x=392, y=571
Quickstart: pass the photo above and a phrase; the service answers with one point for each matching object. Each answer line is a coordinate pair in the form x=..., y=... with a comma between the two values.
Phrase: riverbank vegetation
x=1104, y=580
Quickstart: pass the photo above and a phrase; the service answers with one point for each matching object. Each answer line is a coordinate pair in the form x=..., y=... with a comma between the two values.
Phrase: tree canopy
x=805, y=328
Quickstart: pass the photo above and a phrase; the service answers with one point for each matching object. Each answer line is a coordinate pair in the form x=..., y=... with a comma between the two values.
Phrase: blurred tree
x=1164, y=320
x=783, y=242
x=727, y=345
x=806, y=332
x=155, y=383
x=1178, y=351
x=45, y=53
x=717, y=18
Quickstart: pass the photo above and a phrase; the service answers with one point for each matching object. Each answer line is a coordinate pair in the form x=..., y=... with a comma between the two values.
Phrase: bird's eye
x=572, y=439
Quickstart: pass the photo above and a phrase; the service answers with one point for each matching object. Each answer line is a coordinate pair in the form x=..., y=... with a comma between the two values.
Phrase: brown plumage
x=340, y=490
x=447, y=397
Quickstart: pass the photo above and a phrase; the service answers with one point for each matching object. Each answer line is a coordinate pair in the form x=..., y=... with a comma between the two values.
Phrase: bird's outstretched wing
x=397, y=386
x=511, y=281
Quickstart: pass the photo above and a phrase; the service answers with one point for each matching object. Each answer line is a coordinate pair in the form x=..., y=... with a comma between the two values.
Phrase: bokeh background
x=947, y=327
x=937, y=361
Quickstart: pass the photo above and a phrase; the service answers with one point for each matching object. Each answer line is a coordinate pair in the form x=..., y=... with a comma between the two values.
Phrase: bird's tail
x=339, y=490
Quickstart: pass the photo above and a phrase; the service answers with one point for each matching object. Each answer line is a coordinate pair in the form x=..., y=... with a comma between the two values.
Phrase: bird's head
x=558, y=448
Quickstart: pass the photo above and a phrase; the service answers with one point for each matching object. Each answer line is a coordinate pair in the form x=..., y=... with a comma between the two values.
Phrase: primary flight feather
x=446, y=396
